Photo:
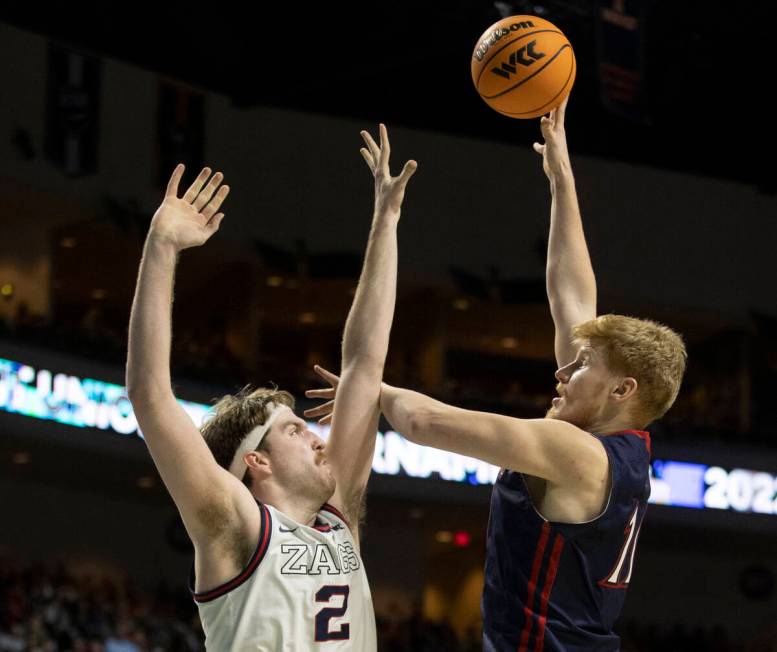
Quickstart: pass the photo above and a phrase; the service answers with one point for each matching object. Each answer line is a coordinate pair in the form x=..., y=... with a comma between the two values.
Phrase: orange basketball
x=523, y=66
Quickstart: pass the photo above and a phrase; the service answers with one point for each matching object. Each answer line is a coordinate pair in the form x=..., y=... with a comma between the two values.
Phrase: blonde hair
x=235, y=415
x=651, y=353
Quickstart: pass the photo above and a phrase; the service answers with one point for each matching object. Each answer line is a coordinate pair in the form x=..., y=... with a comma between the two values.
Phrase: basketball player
x=569, y=501
x=273, y=512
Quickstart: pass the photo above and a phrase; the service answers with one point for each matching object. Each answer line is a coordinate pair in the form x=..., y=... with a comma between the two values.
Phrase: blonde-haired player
x=572, y=493
x=273, y=511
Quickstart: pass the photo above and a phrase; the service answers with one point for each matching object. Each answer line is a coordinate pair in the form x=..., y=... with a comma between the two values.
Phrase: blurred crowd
x=48, y=609
x=53, y=608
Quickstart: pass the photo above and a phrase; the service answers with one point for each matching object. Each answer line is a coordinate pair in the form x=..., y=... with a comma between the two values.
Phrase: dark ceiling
x=707, y=69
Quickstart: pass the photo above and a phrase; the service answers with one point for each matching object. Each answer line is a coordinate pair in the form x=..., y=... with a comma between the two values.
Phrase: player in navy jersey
x=569, y=501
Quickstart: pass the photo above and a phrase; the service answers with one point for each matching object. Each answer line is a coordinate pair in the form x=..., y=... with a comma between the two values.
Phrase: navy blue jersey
x=560, y=586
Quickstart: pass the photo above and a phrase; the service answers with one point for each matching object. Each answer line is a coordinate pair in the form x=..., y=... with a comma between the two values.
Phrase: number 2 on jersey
x=325, y=594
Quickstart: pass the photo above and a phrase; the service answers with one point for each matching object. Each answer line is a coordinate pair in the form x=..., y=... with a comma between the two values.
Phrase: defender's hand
x=555, y=157
x=193, y=219
x=389, y=191
x=324, y=411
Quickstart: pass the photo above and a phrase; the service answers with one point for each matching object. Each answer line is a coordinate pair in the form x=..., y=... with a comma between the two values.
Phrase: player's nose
x=562, y=374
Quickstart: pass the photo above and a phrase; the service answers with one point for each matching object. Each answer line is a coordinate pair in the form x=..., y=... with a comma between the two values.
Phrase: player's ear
x=625, y=389
x=259, y=465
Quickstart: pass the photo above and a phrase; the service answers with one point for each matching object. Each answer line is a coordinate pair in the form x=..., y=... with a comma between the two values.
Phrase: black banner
x=621, y=52
x=72, y=111
x=180, y=129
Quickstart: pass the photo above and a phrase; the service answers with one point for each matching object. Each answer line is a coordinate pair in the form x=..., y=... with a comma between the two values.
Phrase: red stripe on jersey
x=326, y=507
x=261, y=549
x=535, y=573
x=550, y=577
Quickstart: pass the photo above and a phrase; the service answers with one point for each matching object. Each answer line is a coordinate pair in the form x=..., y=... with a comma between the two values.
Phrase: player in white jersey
x=272, y=510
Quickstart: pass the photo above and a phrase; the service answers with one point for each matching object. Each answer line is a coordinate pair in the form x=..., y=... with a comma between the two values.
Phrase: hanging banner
x=180, y=129
x=620, y=44
x=72, y=111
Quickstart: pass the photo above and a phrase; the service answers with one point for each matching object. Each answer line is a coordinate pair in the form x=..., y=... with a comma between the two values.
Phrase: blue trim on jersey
x=265, y=534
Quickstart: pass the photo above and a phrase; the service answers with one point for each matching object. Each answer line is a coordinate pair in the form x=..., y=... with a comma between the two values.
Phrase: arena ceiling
x=704, y=69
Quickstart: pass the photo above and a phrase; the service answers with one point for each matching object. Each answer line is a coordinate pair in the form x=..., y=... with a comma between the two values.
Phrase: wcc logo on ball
x=525, y=56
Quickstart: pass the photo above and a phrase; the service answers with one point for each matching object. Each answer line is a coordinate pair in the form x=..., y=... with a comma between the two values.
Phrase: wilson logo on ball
x=523, y=56
x=480, y=50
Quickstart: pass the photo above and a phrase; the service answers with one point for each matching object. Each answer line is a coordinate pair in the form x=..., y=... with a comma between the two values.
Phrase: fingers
x=215, y=222
x=320, y=410
x=215, y=203
x=562, y=109
x=328, y=376
x=326, y=421
x=175, y=179
x=385, y=148
x=199, y=182
x=407, y=172
x=207, y=192
x=371, y=145
x=367, y=157
x=327, y=392
x=540, y=149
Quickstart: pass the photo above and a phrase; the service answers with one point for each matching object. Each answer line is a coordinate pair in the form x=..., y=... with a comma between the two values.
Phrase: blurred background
x=670, y=136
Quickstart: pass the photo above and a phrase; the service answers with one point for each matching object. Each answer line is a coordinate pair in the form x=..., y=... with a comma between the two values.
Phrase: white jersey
x=303, y=589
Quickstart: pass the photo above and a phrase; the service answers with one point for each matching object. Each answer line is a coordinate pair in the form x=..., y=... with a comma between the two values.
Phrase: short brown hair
x=235, y=415
x=649, y=352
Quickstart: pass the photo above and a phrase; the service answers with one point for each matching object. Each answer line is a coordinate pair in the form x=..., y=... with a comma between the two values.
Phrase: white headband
x=254, y=438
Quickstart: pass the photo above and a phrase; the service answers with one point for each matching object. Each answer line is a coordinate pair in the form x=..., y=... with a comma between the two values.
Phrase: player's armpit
x=212, y=502
x=545, y=448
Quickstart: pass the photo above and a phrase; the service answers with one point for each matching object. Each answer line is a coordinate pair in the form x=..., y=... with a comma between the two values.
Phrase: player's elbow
x=424, y=423
x=364, y=365
x=145, y=395
x=136, y=383
x=134, y=390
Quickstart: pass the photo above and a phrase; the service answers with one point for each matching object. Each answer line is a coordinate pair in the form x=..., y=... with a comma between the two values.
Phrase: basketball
x=523, y=66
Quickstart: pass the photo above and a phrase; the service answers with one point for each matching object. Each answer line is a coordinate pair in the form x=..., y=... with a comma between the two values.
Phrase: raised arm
x=366, y=337
x=206, y=494
x=570, y=280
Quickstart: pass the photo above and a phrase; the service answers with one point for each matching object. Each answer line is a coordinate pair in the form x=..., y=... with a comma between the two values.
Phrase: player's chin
x=330, y=484
x=325, y=471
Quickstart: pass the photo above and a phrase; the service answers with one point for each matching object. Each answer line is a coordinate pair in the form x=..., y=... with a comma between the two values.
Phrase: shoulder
x=629, y=453
x=579, y=458
x=628, y=447
x=227, y=562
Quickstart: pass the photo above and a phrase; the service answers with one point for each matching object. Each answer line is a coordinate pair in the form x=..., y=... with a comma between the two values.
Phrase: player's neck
x=618, y=423
x=301, y=510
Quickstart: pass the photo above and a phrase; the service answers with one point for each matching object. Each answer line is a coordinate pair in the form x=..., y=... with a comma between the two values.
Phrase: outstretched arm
x=545, y=448
x=570, y=280
x=206, y=494
x=366, y=337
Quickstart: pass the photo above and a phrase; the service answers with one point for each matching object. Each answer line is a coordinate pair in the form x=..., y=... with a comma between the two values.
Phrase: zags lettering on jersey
x=304, y=559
